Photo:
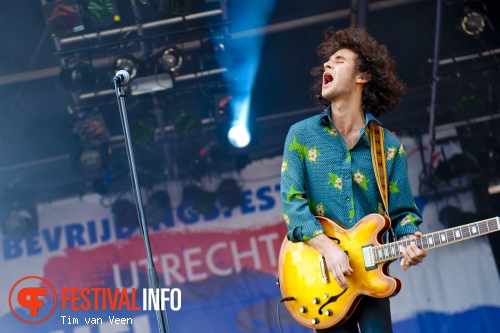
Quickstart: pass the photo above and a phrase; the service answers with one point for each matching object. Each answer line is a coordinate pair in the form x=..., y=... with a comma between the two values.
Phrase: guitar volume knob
x=303, y=309
x=315, y=321
x=316, y=300
x=328, y=312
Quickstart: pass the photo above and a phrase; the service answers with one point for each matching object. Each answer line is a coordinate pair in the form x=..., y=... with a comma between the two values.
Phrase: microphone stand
x=153, y=276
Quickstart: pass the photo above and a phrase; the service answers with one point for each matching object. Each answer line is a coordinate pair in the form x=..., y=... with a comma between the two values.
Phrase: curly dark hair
x=382, y=93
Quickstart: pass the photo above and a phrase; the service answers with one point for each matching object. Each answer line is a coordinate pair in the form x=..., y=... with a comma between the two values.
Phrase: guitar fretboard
x=393, y=250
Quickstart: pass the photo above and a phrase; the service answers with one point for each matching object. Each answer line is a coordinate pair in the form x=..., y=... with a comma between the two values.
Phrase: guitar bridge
x=368, y=257
x=323, y=268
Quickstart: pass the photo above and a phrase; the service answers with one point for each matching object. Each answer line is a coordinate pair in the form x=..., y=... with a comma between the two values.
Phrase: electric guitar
x=314, y=298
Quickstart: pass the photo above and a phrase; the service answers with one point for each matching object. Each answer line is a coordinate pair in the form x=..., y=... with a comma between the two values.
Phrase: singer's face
x=339, y=75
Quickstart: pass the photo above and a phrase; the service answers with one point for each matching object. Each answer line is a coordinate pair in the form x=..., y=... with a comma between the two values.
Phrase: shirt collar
x=327, y=119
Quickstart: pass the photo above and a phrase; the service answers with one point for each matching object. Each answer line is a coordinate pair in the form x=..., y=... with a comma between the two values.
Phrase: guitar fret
x=442, y=237
x=427, y=245
x=494, y=224
x=424, y=244
x=465, y=232
x=391, y=251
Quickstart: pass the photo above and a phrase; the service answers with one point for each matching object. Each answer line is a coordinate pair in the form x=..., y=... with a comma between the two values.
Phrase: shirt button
x=346, y=176
x=347, y=198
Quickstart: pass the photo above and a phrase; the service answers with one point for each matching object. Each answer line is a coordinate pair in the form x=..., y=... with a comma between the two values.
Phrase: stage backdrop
x=225, y=265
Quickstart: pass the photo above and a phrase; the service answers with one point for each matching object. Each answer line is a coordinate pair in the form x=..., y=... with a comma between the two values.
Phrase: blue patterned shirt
x=321, y=176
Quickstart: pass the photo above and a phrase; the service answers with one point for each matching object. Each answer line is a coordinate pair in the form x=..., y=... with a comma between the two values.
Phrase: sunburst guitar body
x=313, y=297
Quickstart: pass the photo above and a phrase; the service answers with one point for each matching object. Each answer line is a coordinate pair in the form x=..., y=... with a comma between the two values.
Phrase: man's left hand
x=412, y=255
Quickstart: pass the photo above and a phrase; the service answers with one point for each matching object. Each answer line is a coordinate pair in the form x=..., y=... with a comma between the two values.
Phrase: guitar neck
x=432, y=240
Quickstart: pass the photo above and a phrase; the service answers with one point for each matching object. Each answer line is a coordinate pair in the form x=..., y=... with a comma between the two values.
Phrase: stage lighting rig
x=19, y=218
x=472, y=23
x=170, y=59
x=63, y=17
x=181, y=7
x=77, y=78
x=102, y=12
x=127, y=63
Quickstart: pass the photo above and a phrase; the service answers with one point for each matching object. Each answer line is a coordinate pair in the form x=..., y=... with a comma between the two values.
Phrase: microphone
x=122, y=77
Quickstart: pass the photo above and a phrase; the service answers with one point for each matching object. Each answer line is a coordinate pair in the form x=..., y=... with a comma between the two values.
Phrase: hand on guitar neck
x=412, y=255
x=336, y=259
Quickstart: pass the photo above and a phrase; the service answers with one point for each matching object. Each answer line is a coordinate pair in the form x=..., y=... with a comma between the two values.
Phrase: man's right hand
x=336, y=259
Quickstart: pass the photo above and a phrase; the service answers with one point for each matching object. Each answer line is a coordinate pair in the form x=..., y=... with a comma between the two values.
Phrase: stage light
x=77, y=78
x=239, y=136
x=202, y=201
x=92, y=131
x=90, y=160
x=103, y=12
x=128, y=64
x=212, y=49
x=21, y=221
x=223, y=110
x=125, y=213
x=229, y=194
x=176, y=6
x=63, y=17
x=241, y=161
x=151, y=84
x=187, y=123
x=170, y=59
x=156, y=210
x=141, y=132
x=458, y=165
x=472, y=23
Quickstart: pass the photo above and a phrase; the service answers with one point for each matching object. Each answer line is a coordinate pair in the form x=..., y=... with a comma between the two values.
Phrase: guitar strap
x=380, y=169
x=379, y=163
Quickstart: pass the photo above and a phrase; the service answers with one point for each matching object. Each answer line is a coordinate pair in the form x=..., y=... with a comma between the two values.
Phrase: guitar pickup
x=368, y=257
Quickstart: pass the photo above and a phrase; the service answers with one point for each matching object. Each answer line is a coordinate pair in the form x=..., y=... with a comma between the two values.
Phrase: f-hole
x=332, y=299
x=335, y=239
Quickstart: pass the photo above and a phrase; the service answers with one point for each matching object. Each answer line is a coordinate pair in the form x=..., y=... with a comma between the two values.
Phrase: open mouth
x=327, y=78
